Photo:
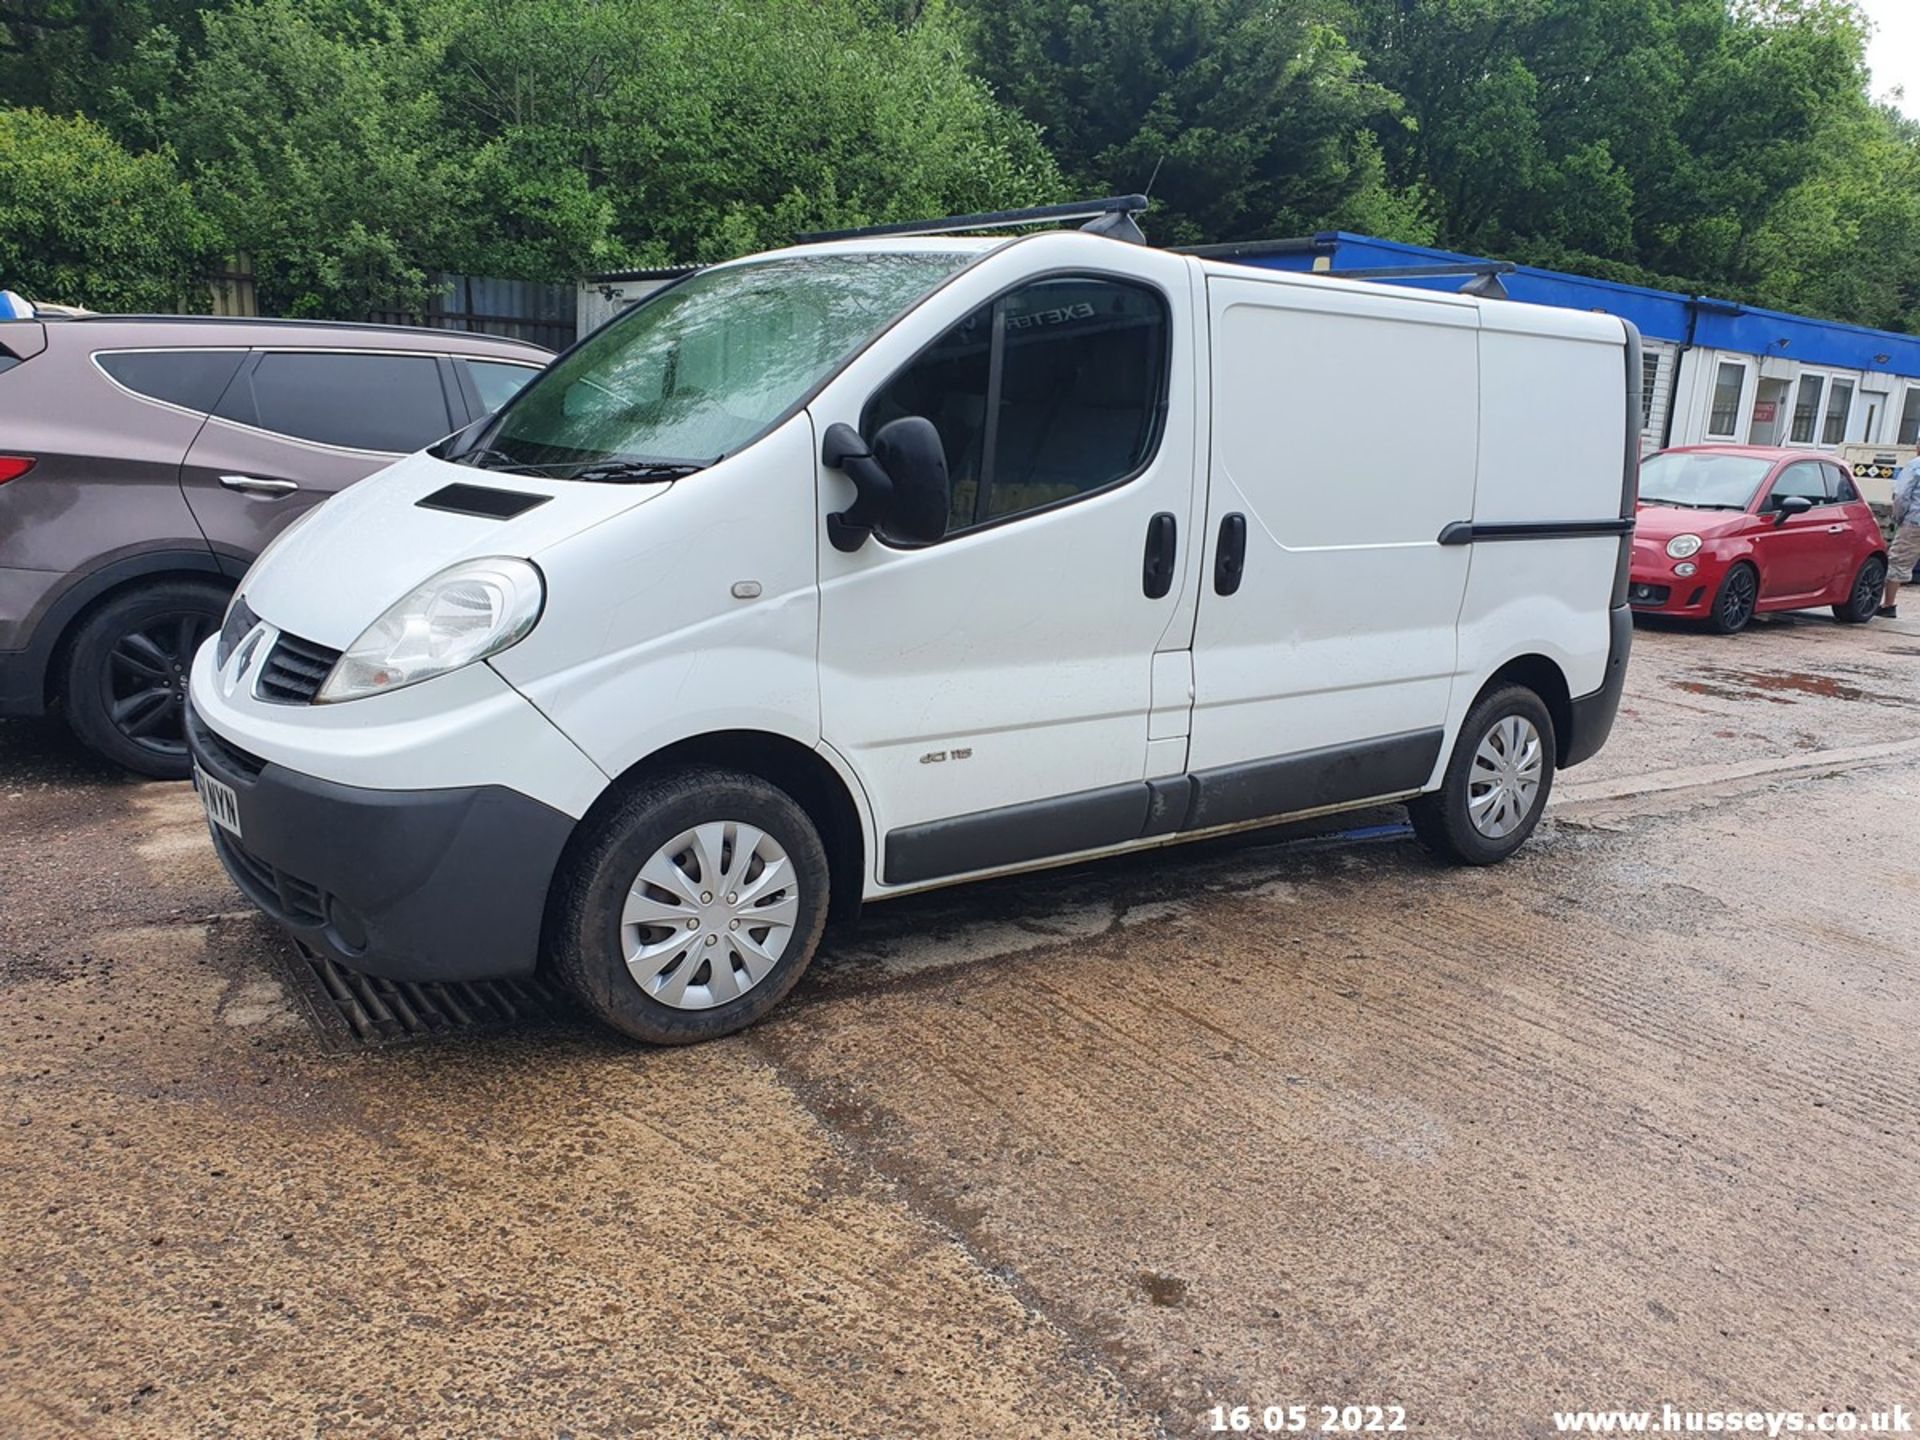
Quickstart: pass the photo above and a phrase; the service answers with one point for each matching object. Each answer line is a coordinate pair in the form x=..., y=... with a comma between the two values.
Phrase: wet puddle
x=1783, y=687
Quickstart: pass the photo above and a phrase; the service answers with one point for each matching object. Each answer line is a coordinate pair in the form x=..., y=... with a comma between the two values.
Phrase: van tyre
x=125, y=684
x=1495, y=786
x=1863, y=601
x=691, y=908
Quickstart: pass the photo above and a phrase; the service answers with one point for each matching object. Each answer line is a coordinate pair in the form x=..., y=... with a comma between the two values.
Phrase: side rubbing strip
x=1339, y=775
x=1466, y=532
x=1017, y=833
x=1314, y=779
x=1169, y=802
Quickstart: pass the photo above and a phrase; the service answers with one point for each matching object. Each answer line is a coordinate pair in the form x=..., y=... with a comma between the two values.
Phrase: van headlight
x=465, y=613
x=1681, y=546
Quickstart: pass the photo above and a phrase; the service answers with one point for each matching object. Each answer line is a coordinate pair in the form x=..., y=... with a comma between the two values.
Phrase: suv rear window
x=391, y=403
x=191, y=379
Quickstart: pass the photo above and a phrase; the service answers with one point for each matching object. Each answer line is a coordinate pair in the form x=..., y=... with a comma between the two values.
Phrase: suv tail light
x=12, y=467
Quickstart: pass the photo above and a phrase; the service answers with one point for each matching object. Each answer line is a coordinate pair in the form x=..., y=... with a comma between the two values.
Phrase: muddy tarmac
x=1281, y=1120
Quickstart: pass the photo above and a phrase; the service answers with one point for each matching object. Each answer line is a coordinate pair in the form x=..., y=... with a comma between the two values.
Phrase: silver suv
x=144, y=462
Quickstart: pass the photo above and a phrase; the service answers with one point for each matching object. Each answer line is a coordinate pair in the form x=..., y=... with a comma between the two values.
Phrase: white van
x=852, y=569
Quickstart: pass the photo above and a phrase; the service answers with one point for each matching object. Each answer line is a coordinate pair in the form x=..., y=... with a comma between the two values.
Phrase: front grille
x=1649, y=594
x=285, y=897
x=240, y=619
x=294, y=671
x=226, y=757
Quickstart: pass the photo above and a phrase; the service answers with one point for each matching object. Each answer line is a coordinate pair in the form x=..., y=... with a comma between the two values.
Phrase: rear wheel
x=1735, y=601
x=126, y=678
x=1496, y=784
x=1864, y=599
x=692, y=908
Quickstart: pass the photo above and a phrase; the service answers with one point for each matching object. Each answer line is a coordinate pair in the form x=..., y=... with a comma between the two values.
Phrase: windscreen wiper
x=504, y=462
x=624, y=470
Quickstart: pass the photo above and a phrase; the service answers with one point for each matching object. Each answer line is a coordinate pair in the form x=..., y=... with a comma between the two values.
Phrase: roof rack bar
x=1426, y=272
x=989, y=220
x=1322, y=244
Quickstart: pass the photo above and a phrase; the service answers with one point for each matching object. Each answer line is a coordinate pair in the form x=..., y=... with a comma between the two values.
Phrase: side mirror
x=900, y=483
x=909, y=449
x=1791, y=505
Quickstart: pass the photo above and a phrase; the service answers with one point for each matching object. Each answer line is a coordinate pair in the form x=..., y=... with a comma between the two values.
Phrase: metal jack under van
x=886, y=561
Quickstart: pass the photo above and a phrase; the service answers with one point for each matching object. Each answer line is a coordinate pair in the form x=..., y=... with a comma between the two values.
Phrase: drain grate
x=351, y=1011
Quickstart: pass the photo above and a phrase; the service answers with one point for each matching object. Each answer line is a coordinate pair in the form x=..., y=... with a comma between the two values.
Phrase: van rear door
x=1345, y=431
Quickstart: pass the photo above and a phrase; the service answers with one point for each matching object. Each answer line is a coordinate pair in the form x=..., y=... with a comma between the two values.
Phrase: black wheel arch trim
x=26, y=674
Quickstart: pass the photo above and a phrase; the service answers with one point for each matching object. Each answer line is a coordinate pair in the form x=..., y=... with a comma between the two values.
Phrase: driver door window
x=1806, y=478
x=1053, y=391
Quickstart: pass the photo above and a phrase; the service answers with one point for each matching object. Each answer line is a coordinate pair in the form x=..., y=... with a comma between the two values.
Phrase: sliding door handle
x=1156, y=571
x=251, y=486
x=1230, y=554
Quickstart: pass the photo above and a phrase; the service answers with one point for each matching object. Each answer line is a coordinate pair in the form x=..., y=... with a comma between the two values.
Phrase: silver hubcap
x=1505, y=781
x=709, y=916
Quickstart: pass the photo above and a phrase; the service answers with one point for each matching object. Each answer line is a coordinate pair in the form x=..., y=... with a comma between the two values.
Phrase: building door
x=1770, y=412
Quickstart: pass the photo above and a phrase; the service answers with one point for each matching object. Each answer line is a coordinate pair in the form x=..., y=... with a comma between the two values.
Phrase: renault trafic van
x=843, y=571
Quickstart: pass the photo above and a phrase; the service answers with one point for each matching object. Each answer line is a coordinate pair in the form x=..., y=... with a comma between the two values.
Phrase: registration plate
x=223, y=806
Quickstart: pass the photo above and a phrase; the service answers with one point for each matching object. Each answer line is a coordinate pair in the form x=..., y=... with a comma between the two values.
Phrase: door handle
x=1836, y=529
x=1230, y=554
x=252, y=486
x=1156, y=571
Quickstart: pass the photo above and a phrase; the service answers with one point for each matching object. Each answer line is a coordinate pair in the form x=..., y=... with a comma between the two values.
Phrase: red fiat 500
x=1727, y=531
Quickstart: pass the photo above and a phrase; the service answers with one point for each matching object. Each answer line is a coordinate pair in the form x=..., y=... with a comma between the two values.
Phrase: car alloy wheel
x=1868, y=587
x=1739, y=594
x=146, y=681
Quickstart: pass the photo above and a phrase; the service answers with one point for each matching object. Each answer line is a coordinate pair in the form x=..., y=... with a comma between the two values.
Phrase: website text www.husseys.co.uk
x=1672, y=1420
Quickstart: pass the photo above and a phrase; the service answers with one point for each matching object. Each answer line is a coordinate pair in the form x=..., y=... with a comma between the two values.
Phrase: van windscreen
x=706, y=367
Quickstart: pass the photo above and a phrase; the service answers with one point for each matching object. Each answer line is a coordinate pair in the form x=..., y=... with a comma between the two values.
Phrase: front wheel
x=1863, y=601
x=1735, y=601
x=692, y=907
x=1496, y=784
x=126, y=680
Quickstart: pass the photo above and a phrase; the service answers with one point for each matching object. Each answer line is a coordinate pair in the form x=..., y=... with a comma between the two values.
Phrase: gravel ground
x=1266, y=1122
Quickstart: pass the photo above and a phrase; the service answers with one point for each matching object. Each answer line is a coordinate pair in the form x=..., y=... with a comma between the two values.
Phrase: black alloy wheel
x=147, y=681
x=1739, y=596
x=125, y=690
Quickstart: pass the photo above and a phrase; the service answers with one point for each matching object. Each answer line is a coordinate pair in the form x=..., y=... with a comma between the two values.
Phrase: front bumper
x=1664, y=593
x=420, y=885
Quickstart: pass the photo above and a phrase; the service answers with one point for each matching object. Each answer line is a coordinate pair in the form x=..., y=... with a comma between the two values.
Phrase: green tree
x=1248, y=117
x=697, y=132
x=1845, y=241
x=316, y=141
x=84, y=222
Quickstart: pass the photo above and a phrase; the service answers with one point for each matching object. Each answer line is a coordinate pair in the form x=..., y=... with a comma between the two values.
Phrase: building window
x=1806, y=408
x=1910, y=418
x=1839, y=408
x=1726, y=399
x=1649, y=382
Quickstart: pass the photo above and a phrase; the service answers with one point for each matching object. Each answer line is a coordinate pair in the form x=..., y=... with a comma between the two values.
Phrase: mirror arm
x=845, y=451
